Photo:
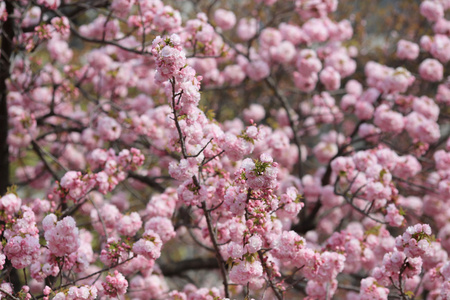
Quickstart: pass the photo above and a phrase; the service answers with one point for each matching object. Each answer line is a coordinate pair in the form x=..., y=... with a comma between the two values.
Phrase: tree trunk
x=6, y=51
x=7, y=33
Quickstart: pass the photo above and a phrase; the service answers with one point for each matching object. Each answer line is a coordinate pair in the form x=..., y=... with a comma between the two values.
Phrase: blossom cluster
x=315, y=168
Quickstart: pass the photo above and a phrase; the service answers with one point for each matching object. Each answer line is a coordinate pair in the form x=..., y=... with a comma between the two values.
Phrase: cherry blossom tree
x=212, y=149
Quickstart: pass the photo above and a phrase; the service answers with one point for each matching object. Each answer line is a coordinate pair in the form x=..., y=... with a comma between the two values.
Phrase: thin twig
x=219, y=257
x=8, y=294
x=289, y=111
x=275, y=290
x=100, y=218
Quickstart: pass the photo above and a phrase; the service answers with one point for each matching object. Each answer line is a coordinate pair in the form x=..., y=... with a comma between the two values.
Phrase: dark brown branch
x=285, y=103
x=102, y=41
x=59, y=129
x=221, y=262
x=349, y=201
x=7, y=31
x=275, y=290
x=37, y=149
x=148, y=181
x=69, y=10
x=93, y=274
x=201, y=263
x=307, y=223
x=219, y=257
x=8, y=294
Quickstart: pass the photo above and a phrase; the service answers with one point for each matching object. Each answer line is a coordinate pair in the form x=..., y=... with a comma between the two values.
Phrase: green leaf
x=410, y=294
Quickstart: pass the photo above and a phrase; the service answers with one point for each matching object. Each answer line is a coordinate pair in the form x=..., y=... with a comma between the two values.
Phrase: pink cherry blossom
x=115, y=284
x=149, y=245
x=431, y=70
x=247, y=28
x=407, y=50
x=432, y=10
x=61, y=236
x=225, y=19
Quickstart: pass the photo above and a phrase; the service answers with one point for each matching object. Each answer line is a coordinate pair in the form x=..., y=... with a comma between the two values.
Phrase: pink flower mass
x=219, y=150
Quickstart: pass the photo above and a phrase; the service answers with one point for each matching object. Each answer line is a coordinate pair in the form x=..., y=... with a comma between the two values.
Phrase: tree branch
x=7, y=32
x=148, y=181
x=176, y=268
